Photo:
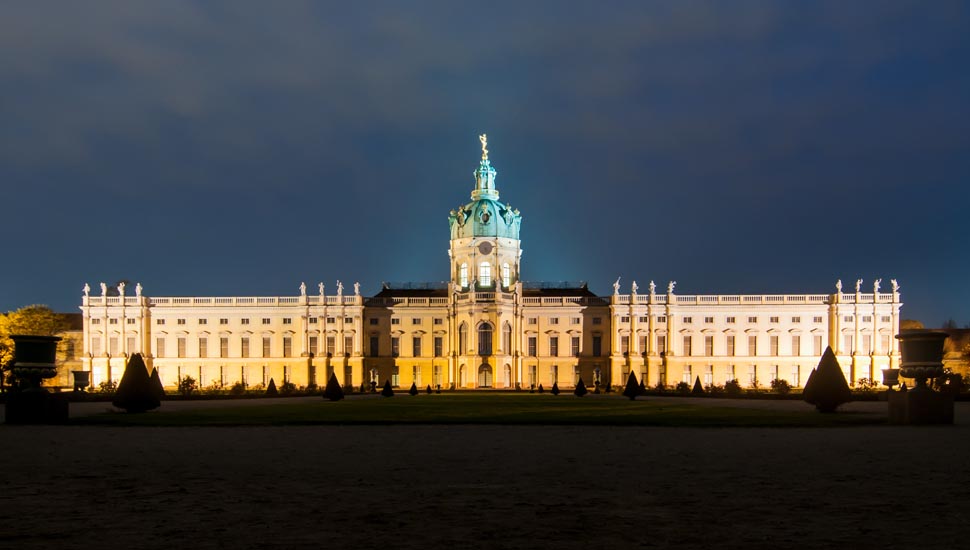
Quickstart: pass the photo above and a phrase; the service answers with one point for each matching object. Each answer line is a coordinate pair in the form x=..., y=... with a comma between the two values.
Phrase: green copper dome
x=485, y=216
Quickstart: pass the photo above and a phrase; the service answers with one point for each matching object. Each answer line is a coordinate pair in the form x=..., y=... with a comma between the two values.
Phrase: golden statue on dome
x=484, y=139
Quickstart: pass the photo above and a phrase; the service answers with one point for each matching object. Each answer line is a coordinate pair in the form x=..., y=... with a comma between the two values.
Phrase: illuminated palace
x=485, y=328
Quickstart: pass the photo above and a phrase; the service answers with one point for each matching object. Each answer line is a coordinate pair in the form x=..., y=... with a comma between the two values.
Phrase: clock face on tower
x=485, y=248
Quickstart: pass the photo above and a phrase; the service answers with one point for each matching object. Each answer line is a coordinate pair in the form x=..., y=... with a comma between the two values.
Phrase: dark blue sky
x=220, y=148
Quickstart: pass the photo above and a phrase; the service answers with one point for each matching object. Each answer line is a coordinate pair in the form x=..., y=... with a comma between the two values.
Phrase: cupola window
x=463, y=275
x=485, y=274
x=506, y=275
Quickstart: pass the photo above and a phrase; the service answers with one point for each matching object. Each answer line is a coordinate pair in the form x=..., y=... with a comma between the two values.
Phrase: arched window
x=506, y=275
x=507, y=339
x=485, y=339
x=462, y=339
x=485, y=274
x=463, y=275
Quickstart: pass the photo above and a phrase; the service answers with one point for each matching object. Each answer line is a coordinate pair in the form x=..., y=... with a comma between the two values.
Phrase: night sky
x=239, y=148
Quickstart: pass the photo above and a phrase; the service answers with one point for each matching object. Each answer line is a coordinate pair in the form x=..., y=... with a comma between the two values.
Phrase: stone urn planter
x=34, y=360
x=922, y=358
x=82, y=379
x=890, y=377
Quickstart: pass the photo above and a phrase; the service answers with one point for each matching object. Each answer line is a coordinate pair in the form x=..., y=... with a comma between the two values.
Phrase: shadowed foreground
x=483, y=487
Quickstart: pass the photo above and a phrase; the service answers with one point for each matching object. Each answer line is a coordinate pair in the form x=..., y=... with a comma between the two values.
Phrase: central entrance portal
x=485, y=376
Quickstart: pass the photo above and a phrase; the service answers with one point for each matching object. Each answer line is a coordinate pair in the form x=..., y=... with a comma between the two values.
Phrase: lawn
x=510, y=409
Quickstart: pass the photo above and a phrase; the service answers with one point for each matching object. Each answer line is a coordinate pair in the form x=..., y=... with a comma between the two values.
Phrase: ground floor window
x=395, y=376
x=416, y=374
x=687, y=374
x=532, y=375
x=709, y=375
x=795, y=380
x=436, y=374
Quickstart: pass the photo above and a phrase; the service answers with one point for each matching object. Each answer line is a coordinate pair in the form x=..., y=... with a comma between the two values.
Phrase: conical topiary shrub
x=643, y=388
x=333, y=391
x=826, y=387
x=580, y=389
x=135, y=391
x=271, y=388
x=555, y=388
x=414, y=389
x=386, y=391
x=698, y=389
x=541, y=389
x=157, y=385
x=632, y=389
x=808, y=384
x=428, y=389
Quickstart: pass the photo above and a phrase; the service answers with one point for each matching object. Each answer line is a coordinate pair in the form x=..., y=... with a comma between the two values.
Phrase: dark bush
x=555, y=388
x=386, y=391
x=287, y=388
x=826, y=387
x=733, y=388
x=157, y=385
x=580, y=389
x=187, y=385
x=682, y=388
x=643, y=388
x=780, y=386
x=271, y=388
x=239, y=388
x=135, y=391
x=541, y=389
x=698, y=389
x=333, y=391
x=632, y=389
x=428, y=389
x=414, y=389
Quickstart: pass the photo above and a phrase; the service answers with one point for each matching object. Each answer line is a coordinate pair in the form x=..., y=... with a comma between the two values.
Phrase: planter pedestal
x=922, y=359
x=920, y=406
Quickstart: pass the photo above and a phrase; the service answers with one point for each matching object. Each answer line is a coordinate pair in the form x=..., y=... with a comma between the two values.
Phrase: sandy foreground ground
x=485, y=487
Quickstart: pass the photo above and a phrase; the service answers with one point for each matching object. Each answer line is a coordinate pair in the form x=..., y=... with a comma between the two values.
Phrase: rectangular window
x=847, y=318
x=113, y=346
x=439, y=344
x=98, y=321
x=533, y=320
x=375, y=346
x=416, y=346
x=157, y=321
x=817, y=345
x=709, y=375
x=532, y=346
x=752, y=375
x=313, y=320
x=112, y=321
x=265, y=320
x=796, y=319
x=396, y=376
x=624, y=345
x=439, y=321
x=244, y=346
x=313, y=346
x=597, y=320
x=687, y=374
x=885, y=343
x=662, y=344
x=331, y=320
x=752, y=319
x=331, y=345
x=772, y=319
x=597, y=346
x=395, y=321
x=395, y=346
x=729, y=373
x=203, y=321
x=708, y=346
x=795, y=378
x=130, y=321
x=642, y=344
x=847, y=343
x=203, y=347
x=730, y=320
x=866, y=344
x=661, y=318
x=348, y=344
x=554, y=346
x=223, y=347
x=554, y=320
x=885, y=319
x=687, y=345
x=796, y=344
x=132, y=346
x=708, y=320
x=180, y=321
x=244, y=321
x=160, y=347
x=730, y=345
x=688, y=320
x=287, y=320
x=574, y=346
x=772, y=373
x=96, y=346
x=415, y=320
x=752, y=345
x=374, y=321
x=574, y=321
x=644, y=319
x=266, y=346
x=554, y=374
x=180, y=347
x=436, y=373
x=773, y=346
x=576, y=375
x=416, y=375
x=817, y=319
x=867, y=318
x=625, y=319
x=223, y=321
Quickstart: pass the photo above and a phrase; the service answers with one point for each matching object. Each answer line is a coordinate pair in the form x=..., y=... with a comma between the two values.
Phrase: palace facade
x=485, y=328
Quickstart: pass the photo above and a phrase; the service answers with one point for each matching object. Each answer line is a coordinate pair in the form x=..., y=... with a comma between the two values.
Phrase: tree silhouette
x=157, y=385
x=333, y=391
x=414, y=389
x=632, y=387
x=826, y=387
x=698, y=389
x=386, y=391
x=428, y=389
x=555, y=388
x=271, y=388
x=135, y=391
x=580, y=389
x=541, y=389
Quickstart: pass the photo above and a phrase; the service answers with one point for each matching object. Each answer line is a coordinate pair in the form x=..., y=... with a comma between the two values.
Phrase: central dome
x=485, y=216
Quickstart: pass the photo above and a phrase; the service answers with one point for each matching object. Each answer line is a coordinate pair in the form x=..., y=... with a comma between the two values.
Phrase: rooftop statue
x=616, y=287
x=121, y=288
x=652, y=287
x=484, y=139
x=670, y=287
x=340, y=288
x=858, y=285
x=634, y=287
x=895, y=285
x=303, y=289
x=838, y=286
x=138, y=289
x=875, y=286
x=104, y=289
x=357, y=288
x=320, y=288
x=87, y=289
